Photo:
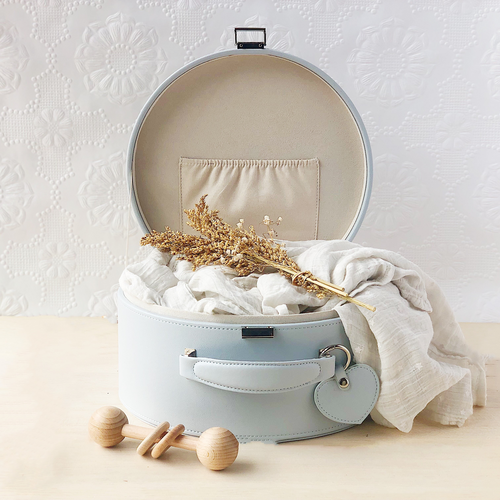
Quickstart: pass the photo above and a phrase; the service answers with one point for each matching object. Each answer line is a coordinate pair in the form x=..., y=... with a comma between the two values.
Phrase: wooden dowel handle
x=136, y=432
x=186, y=442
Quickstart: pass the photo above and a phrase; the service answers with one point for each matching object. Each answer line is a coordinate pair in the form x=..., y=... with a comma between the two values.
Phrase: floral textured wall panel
x=424, y=74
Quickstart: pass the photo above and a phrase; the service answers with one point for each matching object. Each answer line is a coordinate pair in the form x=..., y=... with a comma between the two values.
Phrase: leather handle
x=257, y=377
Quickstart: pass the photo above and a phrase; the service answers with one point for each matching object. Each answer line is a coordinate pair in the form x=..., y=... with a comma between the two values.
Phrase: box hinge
x=250, y=44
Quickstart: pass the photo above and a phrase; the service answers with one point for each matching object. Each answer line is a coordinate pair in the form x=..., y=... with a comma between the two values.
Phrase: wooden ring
x=167, y=440
x=152, y=438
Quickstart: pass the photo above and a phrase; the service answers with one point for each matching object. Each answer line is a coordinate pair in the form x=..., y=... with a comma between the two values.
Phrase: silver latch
x=249, y=44
x=326, y=352
x=190, y=353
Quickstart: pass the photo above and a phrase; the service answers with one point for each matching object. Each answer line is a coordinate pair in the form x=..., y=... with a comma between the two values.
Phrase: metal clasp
x=249, y=45
x=326, y=352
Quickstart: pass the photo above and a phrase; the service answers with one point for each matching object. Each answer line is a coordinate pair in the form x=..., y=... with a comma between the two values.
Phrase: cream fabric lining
x=249, y=106
x=251, y=189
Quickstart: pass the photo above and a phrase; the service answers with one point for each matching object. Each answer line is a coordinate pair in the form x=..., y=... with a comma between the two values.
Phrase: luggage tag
x=350, y=395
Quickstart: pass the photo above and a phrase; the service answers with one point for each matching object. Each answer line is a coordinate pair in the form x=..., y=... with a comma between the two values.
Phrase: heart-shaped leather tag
x=351, y=405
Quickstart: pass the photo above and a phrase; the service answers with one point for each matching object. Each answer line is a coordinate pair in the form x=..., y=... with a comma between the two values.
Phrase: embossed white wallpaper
x=424, y=74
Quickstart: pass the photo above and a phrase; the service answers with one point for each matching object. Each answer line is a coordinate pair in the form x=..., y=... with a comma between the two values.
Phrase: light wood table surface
x=54, y=372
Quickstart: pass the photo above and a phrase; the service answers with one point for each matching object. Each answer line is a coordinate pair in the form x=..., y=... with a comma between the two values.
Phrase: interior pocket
x=251, y=189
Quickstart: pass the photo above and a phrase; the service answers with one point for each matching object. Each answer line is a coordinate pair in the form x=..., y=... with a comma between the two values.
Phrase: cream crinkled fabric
x=412, y=340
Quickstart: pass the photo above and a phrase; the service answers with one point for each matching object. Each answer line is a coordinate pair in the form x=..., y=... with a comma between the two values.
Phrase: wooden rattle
x=217, y=448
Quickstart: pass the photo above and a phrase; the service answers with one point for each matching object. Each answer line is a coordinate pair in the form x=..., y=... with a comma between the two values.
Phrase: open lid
x=252, y=105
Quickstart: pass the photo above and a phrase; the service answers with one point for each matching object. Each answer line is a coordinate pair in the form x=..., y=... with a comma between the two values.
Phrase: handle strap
x=257, y=377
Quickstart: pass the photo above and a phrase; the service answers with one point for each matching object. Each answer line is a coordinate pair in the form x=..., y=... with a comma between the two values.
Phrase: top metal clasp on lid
x=249, y=45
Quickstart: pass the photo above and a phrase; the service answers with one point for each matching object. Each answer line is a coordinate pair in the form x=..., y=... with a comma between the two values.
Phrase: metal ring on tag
x=326, y=353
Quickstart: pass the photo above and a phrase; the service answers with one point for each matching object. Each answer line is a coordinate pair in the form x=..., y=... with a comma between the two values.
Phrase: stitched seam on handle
x=375, y=396
x=208, y=382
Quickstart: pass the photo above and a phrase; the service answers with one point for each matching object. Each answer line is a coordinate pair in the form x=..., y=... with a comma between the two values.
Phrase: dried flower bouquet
x=239, y=248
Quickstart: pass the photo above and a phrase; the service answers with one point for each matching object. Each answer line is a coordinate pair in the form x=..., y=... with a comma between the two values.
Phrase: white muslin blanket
x=412, y=340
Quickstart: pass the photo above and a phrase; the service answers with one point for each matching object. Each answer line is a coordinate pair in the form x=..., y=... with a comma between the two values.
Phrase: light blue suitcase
x=276, y=378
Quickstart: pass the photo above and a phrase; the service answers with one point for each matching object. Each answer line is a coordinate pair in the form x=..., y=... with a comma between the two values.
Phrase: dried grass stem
x=238, y=248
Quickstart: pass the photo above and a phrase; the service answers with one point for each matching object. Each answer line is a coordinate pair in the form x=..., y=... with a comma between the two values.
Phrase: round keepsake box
x=261, y=132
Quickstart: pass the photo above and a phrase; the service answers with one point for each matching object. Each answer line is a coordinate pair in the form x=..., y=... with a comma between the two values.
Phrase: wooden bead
x=105, y=426
x=217, y=448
